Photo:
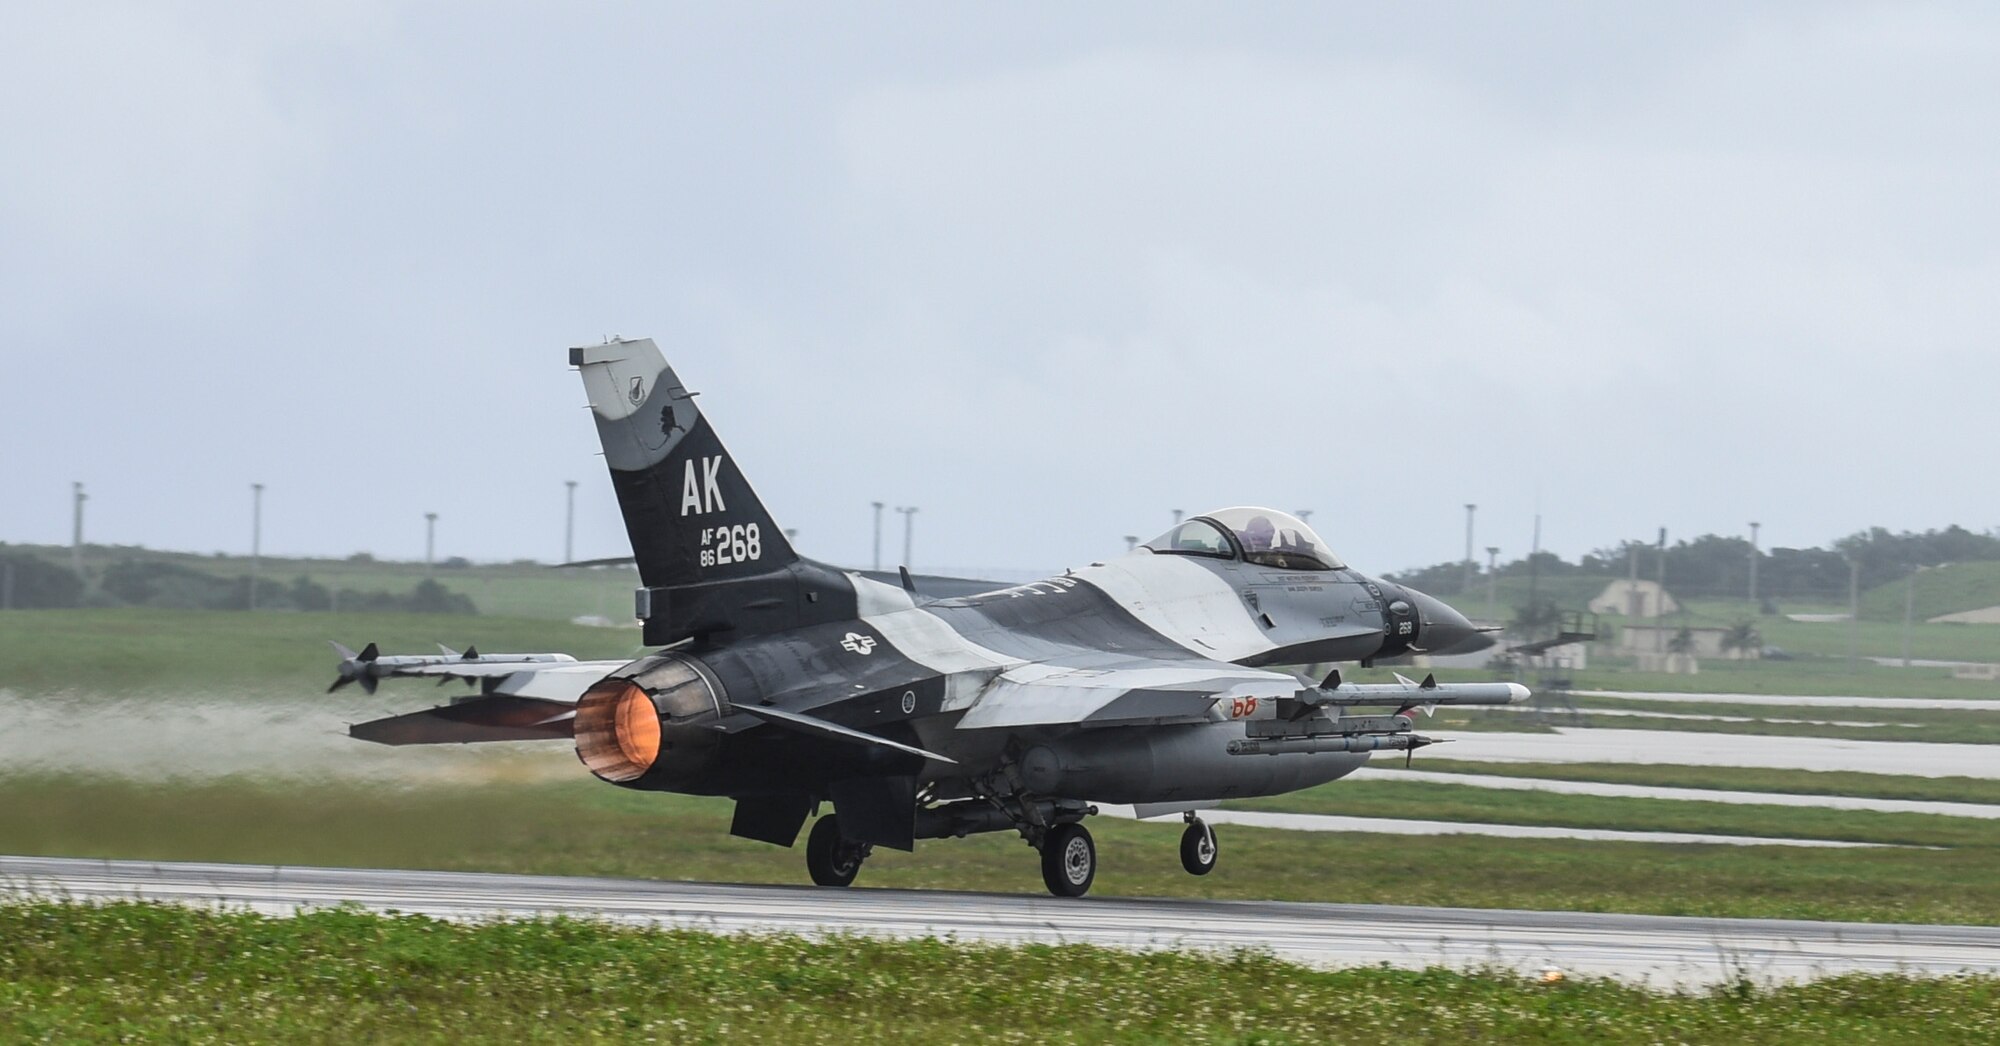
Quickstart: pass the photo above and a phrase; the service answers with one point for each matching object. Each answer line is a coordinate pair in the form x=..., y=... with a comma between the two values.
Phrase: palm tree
x=1743, y=637
x=1532, y=620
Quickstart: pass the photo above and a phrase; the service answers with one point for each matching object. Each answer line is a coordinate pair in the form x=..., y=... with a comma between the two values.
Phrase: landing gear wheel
x=1198, y=848
x=1069, y=860
x=832, y=860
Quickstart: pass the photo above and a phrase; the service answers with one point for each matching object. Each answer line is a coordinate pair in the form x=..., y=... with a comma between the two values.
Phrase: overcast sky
x=1046, y=272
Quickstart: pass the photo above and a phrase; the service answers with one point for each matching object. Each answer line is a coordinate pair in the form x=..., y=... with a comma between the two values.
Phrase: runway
x=1406, y=826
x=1659, y=950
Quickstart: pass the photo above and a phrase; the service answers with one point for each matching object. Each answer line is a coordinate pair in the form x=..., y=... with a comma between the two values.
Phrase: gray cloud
x=1046, y=273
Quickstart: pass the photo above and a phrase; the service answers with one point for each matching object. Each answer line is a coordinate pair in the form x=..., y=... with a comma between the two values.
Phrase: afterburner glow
x=617, y=730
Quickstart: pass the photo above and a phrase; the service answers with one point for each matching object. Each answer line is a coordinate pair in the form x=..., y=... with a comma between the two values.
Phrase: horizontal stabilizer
x=498, y=717
x=833, y=731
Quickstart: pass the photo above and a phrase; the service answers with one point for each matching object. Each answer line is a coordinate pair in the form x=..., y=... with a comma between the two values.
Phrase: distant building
x=1654, y=639
x=1634, y=599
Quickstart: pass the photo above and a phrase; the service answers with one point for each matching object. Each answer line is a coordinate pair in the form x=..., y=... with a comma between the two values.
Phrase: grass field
x=1953, y=726
x=125, y=972
x=1945, y=590
x=1387, y=797
x=155, y=650
x=582, y=827
x=539, y=814
x=1818, y=676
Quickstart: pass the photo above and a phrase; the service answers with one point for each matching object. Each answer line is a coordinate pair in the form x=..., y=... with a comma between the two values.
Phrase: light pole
x=1131, y=542
x=1177, y=517
x=256, y=540
x=1660, y=599
x=1753, y=565
x=1909, y=611
x=878, y=534
x=1492, y=582
x=1465, y=578
x=1853, y=615
x=1305, y=516
x=76, y=532
x=909, y=514
x=569, y=523
x=430, y=542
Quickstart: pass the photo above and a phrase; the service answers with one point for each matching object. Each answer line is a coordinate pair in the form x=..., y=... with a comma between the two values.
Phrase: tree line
x=29, y=581
x=1715, y=565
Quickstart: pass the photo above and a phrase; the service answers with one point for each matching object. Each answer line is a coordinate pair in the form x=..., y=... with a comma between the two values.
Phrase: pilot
x=1258, y=534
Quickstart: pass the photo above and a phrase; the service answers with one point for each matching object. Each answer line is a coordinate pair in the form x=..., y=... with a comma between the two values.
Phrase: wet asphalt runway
x=1656, y=949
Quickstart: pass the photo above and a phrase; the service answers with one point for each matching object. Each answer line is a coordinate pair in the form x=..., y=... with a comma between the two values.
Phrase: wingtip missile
x=1408, y=692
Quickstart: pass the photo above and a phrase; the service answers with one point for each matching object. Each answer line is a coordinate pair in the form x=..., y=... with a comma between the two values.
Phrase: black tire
x=830, y=859
x=1069, y=860
x=1198, y=848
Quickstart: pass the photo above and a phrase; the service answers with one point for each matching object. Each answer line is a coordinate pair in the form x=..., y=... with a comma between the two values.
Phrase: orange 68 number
x=1242, y=706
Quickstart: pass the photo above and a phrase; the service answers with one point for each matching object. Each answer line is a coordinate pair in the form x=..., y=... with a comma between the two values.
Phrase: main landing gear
x=1069, y=860
x=832, y=860
x=1069, y=854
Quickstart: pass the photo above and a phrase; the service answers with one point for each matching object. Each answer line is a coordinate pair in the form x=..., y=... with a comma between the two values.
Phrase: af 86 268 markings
x=739, y=543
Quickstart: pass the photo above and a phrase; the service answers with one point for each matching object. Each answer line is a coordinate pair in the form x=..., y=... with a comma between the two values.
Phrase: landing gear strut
x=832, y=860
x=1069, y=860
x=1198, y=846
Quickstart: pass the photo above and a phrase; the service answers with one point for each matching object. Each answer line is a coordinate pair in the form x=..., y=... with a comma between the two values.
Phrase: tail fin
x=691, y=515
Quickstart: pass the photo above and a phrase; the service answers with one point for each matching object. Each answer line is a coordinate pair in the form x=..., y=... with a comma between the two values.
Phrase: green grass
x=1945, y=590
x=1387, y=797
x=149, y=650
x=124, y=972
x=1810, y=677
x=1746, y=779
x=1875, y=636
x=586, y=828
x=1950, y=726
x=492, y=819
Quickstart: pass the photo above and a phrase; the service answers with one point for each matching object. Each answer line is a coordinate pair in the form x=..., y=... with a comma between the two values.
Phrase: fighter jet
x=789, y=685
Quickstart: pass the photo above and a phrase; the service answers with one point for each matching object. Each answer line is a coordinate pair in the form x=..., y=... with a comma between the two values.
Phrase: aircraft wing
x=1126, y=692
x=493, y=717
x=522, y=696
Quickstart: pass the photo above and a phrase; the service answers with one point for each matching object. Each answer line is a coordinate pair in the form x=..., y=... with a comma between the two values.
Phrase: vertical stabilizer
x=691, y=515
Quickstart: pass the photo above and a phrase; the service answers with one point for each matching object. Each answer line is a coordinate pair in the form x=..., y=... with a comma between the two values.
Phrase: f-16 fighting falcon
x=924, y=710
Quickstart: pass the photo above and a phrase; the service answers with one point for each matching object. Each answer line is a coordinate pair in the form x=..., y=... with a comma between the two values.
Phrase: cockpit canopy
x=1259, y=535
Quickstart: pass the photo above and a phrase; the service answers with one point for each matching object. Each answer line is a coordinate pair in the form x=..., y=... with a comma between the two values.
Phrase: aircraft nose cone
x=1442, y=630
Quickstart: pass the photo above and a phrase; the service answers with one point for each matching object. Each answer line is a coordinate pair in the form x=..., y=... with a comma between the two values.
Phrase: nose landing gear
x=1197, y=846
